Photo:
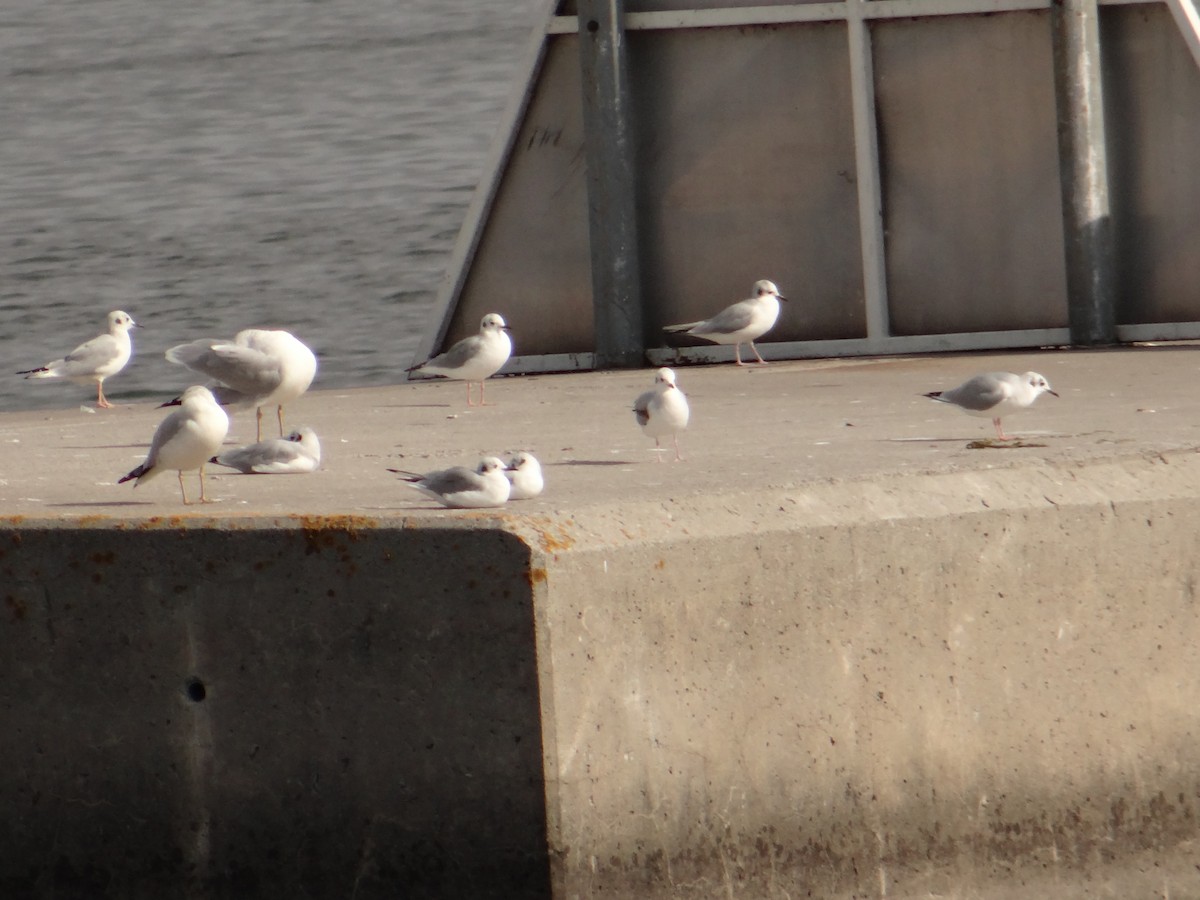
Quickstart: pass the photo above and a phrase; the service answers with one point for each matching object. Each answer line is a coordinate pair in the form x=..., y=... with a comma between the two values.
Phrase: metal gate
x=917, y=175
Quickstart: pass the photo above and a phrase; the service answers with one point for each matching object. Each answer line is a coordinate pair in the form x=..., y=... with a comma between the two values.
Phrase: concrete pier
x=836, y=652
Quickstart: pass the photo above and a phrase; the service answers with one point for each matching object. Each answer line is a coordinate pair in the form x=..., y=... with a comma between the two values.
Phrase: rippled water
x=215, y=166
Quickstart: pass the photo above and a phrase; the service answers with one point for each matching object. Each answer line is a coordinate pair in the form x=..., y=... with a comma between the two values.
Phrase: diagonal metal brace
x=1187, y=17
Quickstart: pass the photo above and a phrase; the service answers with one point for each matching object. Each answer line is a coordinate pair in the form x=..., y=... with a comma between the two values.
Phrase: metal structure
x=919, y=175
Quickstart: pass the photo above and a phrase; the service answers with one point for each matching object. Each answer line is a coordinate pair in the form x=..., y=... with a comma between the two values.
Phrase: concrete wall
x=974, y=684
x=970, y=685
x=320, y=708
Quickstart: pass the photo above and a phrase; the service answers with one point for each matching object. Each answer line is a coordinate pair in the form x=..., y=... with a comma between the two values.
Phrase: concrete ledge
x=975, y=685
x=830, y=655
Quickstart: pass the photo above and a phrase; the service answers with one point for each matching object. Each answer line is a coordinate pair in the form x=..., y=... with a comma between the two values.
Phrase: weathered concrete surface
x=834, y=653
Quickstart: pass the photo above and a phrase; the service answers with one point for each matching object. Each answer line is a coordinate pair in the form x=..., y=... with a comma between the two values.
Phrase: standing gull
x=94, y=360
x=740, y=323
x=476, y=358
x=995, y=394
x=525, y=474
x=462, y=488
x=258, y=368
x=297, y=453
x=663, y=410
x=185, y=439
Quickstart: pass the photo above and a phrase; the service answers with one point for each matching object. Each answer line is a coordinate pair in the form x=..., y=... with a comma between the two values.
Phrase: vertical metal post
x=866, y=155
x=1083, y=162
x=612, y=212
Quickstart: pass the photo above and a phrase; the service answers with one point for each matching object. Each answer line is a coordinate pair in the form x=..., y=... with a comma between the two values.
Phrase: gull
x=463, y=488
x=995, y=394
x=258, y=368
x=476, y=358
x=524, y=472
x=297, y=453
x=95, y=360
x=663, y=410
x=185, y=439
x=740, y=323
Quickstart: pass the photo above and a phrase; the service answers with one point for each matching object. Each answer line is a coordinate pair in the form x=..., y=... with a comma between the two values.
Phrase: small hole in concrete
x=593, y=26
x=195, y=690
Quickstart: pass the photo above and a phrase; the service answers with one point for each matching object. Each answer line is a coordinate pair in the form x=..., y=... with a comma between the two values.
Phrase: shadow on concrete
x=242, y=712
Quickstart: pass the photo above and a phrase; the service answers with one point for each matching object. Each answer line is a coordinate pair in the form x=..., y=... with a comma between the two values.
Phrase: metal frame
x=858, y=14
x=1187, y=17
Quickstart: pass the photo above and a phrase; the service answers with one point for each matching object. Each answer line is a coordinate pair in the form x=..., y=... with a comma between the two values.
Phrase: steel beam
x=612, y=208
x=1187, y=17
x=1083, y=162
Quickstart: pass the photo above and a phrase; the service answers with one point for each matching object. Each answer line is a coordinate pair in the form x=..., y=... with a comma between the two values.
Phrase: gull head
x=523, y=460
x=490, y=464
x=766, y=288
x=120, y=321
x=492, y=322
x=1038, y=384
x=665, y=376
x=197, y=393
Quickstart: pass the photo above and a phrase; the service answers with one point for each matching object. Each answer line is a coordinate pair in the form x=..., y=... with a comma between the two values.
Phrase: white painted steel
x=1159, y=331
x=822, y=12
x=1187, y=17
x=866, y=156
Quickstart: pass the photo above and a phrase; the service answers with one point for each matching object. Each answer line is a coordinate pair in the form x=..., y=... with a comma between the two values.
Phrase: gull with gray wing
x=93, y=361
x=185, y=439
x=663, y=410
x=740, y=323
x=298, y=453
x=462, y=488
x=995, y=394
x=258, y=368
x=475, y=358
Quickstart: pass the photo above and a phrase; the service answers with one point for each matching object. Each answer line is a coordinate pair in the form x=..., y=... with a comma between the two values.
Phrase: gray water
x=214, y=166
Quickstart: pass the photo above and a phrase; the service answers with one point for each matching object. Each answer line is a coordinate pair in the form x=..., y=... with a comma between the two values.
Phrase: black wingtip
x=176, y=402
x=933, y=395
x=136, y=473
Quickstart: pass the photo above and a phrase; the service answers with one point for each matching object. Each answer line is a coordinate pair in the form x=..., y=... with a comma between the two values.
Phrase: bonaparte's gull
x=995, y=394
x=94, y=360
x=258, y=368
x=297, y=453
x=525, y=474
x=476, y=358
x=663, y=410
x=740, y=323
x=185, y=439
x=463, y=488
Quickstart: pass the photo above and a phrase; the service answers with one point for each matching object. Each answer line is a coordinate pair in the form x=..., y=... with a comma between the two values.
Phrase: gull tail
x=936, y=395
x=39, y=372
x=675, y=329
x=406, y=475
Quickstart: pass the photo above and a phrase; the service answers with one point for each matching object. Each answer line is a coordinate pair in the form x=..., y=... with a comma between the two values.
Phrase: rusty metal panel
x=532, y=263
x=968, y=149
x=746, y=171
x=1152, y=87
